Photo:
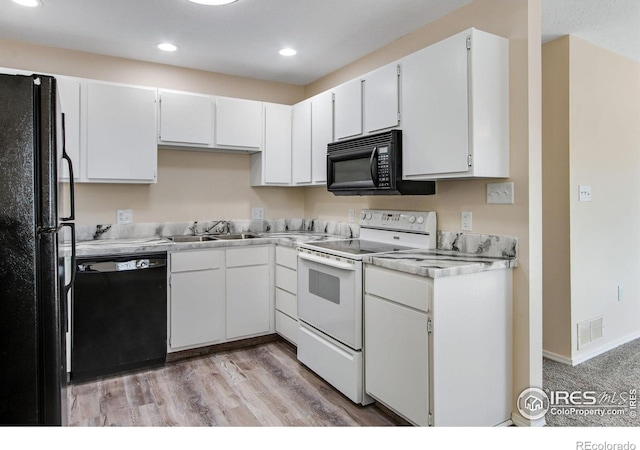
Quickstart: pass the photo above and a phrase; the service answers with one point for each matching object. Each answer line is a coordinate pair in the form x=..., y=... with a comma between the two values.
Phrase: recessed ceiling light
x=213, y=2
x=167, y=47
x=287, y=52
x=29, y=3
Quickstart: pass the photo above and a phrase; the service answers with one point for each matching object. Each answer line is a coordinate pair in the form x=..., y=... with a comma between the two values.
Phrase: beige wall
x=592, y=137
x=206, y=176
x=555, y=159
x=520, y=22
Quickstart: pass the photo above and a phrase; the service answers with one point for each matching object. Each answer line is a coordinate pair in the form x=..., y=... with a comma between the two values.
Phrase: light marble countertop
x=155, y=244
x=439, y=263
x=457, y=253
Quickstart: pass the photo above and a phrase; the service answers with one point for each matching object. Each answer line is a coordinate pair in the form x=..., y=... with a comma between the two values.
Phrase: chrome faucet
x=194, y=228
x=225, y=227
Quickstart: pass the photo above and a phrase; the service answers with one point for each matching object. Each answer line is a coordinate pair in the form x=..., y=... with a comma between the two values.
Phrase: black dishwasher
x=119, y=314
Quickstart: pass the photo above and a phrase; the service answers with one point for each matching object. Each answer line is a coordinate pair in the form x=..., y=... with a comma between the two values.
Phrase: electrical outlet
x=257, y=213
x=352, y=215
x=584, y=193
x=500, y=193
x=465, y=221
x=124, y=216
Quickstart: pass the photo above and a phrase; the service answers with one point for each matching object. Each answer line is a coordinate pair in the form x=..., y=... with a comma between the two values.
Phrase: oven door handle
x=327, y=261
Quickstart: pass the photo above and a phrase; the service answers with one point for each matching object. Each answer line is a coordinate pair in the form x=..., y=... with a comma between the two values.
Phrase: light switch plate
x=500, y=193
x=584, y=193
x=466, y=221
x=257, y=213
x=124, y=216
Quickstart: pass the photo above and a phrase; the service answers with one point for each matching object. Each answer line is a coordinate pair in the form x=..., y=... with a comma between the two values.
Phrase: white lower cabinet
x=196, y=299
x=286, y=279
x=250, y=295
x=439, y=351
x=220, y=295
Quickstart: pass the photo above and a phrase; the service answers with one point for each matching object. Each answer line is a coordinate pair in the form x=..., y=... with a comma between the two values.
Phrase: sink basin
x=190, y=238
x=212, y=237
x=231, y=236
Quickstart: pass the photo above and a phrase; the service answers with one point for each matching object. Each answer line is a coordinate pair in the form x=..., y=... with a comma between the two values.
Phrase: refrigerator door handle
x=72, y=279
x=72, y=194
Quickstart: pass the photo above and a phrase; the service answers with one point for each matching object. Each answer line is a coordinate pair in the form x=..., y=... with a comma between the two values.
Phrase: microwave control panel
x=383, y=167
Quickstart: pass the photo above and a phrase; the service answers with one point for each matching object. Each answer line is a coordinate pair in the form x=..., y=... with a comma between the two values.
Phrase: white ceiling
x=243, y=38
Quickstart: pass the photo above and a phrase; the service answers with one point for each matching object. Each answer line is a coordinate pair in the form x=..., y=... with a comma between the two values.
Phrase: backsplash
x=478, y=244
x=149, y=230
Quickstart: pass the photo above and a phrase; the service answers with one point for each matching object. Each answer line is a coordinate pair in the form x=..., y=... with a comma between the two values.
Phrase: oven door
x=330, y=296
x=355, y=169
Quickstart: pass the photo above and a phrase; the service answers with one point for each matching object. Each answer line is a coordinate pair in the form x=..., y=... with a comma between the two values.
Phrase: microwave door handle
x=373, y=166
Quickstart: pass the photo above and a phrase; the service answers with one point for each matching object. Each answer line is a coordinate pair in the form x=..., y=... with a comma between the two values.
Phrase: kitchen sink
x=231, y=236
x=212, y=237
x=190, y=238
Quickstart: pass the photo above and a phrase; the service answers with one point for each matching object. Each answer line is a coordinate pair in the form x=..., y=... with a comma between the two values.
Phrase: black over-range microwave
x=371, y=165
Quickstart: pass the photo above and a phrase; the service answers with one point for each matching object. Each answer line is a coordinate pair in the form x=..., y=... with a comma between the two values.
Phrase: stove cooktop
x=357, y=246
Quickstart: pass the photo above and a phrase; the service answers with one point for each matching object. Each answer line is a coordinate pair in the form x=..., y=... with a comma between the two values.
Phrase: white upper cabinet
x=321, y=135
x=185, y=118
x=381, y=101
x=272, y=166
x=455, y=108
x=69, y=95
x=238, y=124
x=301, y=143
x=120, y=132
x=348, y=109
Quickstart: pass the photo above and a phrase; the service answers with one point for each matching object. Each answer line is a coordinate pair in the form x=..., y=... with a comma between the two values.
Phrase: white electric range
x=330, y=281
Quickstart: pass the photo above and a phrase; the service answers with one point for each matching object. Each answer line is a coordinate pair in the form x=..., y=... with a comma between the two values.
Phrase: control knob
x=420, y=220
x=412, y=219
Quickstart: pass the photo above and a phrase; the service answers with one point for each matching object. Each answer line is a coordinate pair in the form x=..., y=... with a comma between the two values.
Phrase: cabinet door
x=238, y=123
x=397, y=358
x=69, y=94
x=348, y=109
x=121, y=133
x=197, y=308
x=381, y=98
x=321, y=135
x=248, y=301
x=301, y=143
x=277, y=144
x=435, y=114
x=185, y=118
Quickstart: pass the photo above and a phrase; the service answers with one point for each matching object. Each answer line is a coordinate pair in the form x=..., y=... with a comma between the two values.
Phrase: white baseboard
x=587, y=355
x=558, y=358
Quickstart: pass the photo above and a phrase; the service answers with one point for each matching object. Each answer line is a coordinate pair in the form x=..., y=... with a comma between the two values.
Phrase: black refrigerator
x=33, y=291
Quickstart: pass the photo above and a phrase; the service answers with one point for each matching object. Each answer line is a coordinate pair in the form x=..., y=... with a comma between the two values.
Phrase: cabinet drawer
x=287, y=279
x=250, y=256
x=286, y=327
x=410, y=290
x=196, y=260
x=287, y=303
x=287, y=257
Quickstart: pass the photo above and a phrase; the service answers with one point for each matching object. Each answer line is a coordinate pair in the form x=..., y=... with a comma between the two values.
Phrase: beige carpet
x=603, y=389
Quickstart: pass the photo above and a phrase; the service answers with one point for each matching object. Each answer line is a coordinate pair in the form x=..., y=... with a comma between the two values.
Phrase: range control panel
x=413, y=221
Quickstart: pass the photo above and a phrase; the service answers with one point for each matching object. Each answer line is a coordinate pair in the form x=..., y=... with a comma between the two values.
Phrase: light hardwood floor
x=263, y=385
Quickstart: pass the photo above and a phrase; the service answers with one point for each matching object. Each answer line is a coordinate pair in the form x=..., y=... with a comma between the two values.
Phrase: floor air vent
x=589, y=331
